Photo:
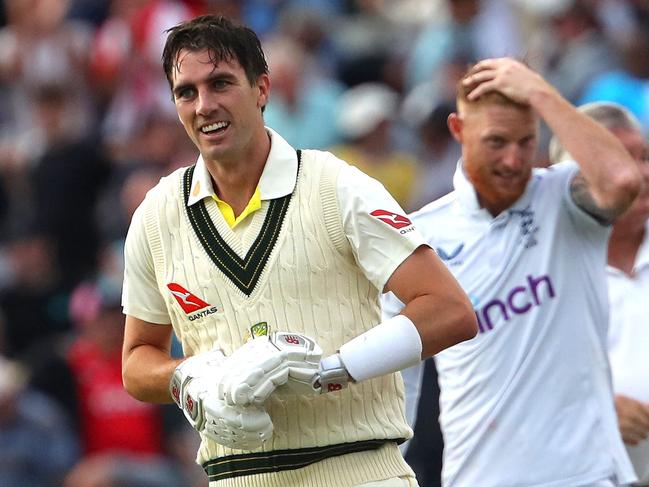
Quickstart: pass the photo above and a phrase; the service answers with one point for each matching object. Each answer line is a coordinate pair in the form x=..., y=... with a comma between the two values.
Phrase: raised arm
x=609, y=178
x=147, y=366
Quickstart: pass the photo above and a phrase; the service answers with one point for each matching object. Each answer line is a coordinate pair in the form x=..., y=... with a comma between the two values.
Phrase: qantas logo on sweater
x=189, y=302
x=393, y=219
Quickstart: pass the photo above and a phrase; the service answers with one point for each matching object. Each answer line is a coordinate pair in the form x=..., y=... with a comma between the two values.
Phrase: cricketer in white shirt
x=528, y=401
x=628, y=341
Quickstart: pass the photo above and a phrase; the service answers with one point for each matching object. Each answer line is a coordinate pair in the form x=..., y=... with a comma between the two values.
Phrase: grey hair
x=610, y=115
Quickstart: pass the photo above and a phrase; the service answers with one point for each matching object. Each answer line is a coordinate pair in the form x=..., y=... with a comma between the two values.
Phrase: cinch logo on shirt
x=393, y=219
x=518, y=301
x=189, y=302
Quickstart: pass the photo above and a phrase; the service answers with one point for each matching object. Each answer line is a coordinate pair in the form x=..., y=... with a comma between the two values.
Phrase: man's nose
x=206, y=103
x=513, y=157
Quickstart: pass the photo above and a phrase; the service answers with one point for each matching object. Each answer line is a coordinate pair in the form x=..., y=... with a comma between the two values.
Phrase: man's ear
x=455, y=124
x=263, y=84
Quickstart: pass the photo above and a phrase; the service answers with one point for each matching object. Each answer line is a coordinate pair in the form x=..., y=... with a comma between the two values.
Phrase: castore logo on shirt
x=451, y=255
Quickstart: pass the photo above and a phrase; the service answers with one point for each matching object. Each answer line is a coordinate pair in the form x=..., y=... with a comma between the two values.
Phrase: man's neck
x=236, y=181
x=624, y=245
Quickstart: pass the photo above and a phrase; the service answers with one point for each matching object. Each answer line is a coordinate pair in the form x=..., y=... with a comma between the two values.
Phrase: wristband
x=390, y=346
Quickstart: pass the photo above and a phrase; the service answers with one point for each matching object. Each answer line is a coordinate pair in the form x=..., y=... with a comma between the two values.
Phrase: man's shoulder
x=437, y=209
x=560, y=170
x=168, y=184
x=548, y=186
x=322, y=157
x=442, y=210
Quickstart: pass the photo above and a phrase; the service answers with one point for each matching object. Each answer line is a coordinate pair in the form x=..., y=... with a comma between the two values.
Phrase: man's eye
x=527, y=141
x=184, y=93
x=495, y=142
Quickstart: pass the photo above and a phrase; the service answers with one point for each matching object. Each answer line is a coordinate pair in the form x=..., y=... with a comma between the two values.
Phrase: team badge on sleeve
x=393, y=219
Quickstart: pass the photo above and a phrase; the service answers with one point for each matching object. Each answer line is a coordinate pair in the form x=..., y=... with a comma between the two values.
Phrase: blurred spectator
x=108, y=419
x=575, y=48
x=234, y=9
x=629, y=84
x=314, y=30
x=91, y=11
x=472, y=30
x=111, y=470
x=366, y=122
x=111, y=51
x=40, y=47
x=128, y=191
x=437, y=158
x=140, y=87
x=37, y=445
x=67, y=180
x=155, y=149
x=32, y=300
x=367, y=39
x=628, y=288
x=426, y=108
x=424, y=450
x=303, y=103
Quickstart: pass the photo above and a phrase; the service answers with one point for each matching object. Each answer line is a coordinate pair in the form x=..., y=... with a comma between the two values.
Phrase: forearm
x=437, y=314
x=441, y=323
x=611, y=175
x=146, y=373
x=440, y=310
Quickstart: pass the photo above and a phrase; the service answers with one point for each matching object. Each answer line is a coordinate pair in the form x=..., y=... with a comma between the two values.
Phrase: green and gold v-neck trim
x=242, y=272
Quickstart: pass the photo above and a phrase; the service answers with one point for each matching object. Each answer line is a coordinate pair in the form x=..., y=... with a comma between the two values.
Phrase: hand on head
x=507, y=76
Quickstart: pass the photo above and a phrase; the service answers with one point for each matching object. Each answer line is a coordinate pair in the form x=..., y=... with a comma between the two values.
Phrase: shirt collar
x=277, y=179
x=468, y=198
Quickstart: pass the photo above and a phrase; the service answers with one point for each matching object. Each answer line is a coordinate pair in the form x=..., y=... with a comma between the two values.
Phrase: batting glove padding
x=253, y=372
x=192, y=388
x=241, y=427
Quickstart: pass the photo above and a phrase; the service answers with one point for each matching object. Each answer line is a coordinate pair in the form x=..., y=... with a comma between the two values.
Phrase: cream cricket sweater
x=299, y=275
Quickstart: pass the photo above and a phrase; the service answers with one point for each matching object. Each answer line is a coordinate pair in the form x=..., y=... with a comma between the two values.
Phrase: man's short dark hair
x=224, y=40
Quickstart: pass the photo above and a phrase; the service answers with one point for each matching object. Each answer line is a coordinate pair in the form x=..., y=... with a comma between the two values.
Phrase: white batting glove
x=332, y=375
x=241, y=427
x=253, y=372
x=192, y=388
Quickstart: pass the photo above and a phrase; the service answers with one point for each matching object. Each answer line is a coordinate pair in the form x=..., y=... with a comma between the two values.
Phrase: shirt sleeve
x=586, y=222
x=380, y=234
x=140, y=294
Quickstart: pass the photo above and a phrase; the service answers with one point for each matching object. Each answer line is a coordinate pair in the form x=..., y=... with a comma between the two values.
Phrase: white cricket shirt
x=379, y=249
x=528, y=401
x=628, y=341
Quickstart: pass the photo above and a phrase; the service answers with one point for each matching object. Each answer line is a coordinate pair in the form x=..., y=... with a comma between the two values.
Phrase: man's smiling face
x=217, y=105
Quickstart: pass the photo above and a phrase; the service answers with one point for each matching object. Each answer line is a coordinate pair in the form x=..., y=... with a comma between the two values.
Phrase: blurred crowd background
x=87, y=126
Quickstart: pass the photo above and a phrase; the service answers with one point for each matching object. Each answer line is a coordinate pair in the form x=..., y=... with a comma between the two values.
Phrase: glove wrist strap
x=333, y=374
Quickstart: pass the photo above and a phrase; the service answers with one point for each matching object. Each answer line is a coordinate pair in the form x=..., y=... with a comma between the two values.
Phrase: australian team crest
x=257, y=330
